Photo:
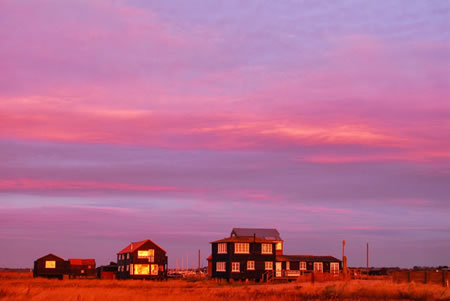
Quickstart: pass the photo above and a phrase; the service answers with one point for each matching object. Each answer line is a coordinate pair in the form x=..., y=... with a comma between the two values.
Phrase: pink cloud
x=51, y=185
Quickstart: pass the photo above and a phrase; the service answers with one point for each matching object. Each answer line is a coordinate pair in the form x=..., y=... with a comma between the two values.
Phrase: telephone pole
x=199, y=267
x=367, y=263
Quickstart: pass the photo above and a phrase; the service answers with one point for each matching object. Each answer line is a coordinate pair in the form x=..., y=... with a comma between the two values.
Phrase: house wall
x=231, y=256
x=82, y=270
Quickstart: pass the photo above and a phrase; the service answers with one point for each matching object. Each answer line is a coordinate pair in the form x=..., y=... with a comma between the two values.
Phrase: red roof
x=136, y=245
x=82, y=261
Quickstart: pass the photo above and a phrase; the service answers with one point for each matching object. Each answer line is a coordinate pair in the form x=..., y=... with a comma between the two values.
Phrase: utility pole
x=367, y=264
x=199, y=267
x=344, y=259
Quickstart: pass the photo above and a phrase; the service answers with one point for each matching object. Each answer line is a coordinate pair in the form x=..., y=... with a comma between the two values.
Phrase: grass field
x=20, y=286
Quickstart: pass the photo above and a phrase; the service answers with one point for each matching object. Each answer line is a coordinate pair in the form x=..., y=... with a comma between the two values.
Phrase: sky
x=179, y=120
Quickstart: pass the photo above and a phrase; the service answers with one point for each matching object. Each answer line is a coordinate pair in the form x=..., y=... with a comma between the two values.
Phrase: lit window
x=141, y=269
x=266, y=249
x=235, y=267
x=128, y=267
x=220, y=267
x=279, y=246
x=318, y=266
x=303, y=266
x=250, y=265
x=334, y=267
x=146, y=254
x=154, y=269
x=268, y=265
x=222, y=248
x=50, y=264
x=241, y=248
x=128, y=255
x=288, y=265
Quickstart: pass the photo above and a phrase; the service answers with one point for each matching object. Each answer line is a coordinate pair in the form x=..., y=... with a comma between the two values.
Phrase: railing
x=268, y=276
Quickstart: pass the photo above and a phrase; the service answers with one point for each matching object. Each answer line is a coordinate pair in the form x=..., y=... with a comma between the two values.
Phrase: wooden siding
x=254, y=255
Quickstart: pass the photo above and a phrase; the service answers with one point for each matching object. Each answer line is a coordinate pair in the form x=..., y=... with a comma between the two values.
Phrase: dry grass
x=15, y=286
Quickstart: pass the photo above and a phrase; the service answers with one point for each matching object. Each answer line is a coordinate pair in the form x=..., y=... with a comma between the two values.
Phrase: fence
x=438, y=277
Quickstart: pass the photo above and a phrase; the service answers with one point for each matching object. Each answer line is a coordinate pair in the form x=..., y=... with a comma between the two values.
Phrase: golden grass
x=15, y=286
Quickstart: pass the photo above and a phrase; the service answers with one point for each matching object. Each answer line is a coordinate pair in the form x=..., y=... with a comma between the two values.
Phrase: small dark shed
x=51, y=266
x=107, y=271
x=82, y=268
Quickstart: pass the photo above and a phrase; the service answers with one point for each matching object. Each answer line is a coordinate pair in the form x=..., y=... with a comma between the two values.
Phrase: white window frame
x=302, y=266
x=334, y=267
x=241, y=248
x=235, y=267
x=221, y=266
x=250, y=265
x=266, y=249
x=268, y=265
x=222, y=248
x=317, y=265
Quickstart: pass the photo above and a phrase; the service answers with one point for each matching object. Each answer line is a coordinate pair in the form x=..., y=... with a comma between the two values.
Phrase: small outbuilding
x=82, y=268
x=51, y=266
x=107, y=271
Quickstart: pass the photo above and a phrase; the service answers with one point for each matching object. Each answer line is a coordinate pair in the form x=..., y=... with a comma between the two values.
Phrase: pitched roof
x=136, y=245
x=269, y=234
x=244, y=239
x=307, y=258
x=82, y=261
x=51, y=255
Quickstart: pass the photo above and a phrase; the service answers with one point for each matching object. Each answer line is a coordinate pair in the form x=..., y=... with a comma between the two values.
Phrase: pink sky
x=126, y=120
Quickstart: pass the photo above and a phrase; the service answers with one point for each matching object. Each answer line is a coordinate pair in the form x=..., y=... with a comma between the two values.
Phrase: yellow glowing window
x=279, y=246
x=50, y=264
x=146, y=253
x=154, y=269
x=141, y=269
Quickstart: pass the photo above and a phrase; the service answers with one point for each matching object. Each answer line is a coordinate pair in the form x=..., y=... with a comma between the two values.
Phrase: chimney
x=131, y=246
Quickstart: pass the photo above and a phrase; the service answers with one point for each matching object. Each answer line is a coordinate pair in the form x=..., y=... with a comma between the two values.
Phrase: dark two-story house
x=246, y=254
x=253, y=253
x=142, y=260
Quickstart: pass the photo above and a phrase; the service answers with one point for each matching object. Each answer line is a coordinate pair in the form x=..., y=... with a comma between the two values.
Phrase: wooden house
x=297, y=265
x=246, y=254
x=51, y=266
x=142, y=260
x=82, y=268
x=257, y=254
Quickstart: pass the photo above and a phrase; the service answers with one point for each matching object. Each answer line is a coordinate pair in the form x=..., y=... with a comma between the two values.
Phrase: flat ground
x=20, y=286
